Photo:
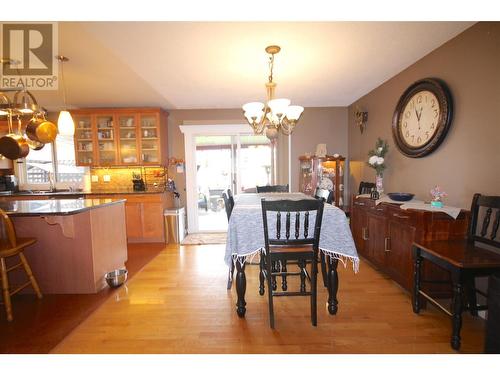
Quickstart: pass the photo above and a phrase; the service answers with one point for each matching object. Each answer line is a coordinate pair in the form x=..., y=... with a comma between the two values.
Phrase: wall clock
x=422, y=117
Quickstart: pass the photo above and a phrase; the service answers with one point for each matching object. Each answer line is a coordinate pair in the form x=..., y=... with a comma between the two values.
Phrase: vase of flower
x=376, y=161
x=379, y=183
x=437, y=196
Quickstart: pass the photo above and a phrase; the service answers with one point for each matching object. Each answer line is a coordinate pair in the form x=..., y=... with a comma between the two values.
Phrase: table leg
x=241, y=286
x=416, y=280
x=284, y=284
x=457, y=310
x=323, y=268
x=333, y=285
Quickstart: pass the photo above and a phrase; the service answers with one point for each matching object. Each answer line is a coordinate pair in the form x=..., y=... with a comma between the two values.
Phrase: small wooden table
x=464, y=261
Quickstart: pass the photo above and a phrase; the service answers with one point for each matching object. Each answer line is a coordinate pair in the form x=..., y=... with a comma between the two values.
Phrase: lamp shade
x=293, y=112
x=278, y=106
x=65, y=123
x=253, y=109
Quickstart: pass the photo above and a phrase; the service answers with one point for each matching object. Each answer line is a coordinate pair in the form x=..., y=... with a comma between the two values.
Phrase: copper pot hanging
x=14, y=146
x=41, y=130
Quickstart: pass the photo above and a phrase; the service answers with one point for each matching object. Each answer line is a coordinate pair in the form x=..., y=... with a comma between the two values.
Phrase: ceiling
x=184, y=65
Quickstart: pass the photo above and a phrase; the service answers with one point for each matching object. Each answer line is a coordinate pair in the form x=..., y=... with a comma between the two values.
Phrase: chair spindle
x=486, y=222
x=495, y=225
x=306, y=224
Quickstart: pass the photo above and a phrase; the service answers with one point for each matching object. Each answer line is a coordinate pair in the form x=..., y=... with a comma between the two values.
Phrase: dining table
x=245, y=240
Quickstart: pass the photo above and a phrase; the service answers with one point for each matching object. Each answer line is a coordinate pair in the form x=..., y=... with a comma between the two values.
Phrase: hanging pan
x=14, y=146
x=41, y=130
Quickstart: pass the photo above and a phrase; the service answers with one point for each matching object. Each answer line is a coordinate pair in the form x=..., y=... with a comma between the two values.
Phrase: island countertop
x=54, y=207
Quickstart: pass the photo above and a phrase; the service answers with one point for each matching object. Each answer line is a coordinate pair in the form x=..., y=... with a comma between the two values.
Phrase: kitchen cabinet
x=384, y=234
x=324, y=172
x=120, y=136
x=143, y=215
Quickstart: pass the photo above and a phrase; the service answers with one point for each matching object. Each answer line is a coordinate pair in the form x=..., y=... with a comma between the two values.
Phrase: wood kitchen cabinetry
x=120, y=136
x=384, y=235
x=143, y=214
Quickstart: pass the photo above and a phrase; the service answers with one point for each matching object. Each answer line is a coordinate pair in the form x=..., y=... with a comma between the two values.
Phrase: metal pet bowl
x=401, y=197
x=116, y=278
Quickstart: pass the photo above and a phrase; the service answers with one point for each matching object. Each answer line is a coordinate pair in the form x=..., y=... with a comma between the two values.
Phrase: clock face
x=420, y=118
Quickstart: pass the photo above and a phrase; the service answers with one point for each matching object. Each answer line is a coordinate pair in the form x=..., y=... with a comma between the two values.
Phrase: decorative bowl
x=401, y=197
x=116, y=278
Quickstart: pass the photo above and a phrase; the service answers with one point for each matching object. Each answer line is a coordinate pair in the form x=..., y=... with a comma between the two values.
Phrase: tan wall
x=317, y=125
x=468, y=160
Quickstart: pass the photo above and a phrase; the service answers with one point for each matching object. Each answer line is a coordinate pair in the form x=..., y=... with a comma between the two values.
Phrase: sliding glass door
x=232, y=158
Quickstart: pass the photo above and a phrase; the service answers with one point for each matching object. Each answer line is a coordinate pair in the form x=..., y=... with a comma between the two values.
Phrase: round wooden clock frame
x=443, y=95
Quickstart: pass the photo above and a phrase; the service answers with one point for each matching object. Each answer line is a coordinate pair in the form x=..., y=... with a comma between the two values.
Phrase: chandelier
x=20, y=105
x=276, y=114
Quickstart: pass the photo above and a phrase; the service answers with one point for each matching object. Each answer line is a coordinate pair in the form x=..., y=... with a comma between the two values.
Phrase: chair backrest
x=366, y=187
x=326, y=195
x=485, y=209
x=228, y=202
x=273, y=189
x=9, y=229
x=295, y=214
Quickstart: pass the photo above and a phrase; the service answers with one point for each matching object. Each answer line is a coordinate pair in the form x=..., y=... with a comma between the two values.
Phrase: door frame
x=190, y=132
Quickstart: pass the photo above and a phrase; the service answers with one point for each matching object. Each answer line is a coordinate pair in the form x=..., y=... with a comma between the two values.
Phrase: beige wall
x=468, y=160
x=317, y=125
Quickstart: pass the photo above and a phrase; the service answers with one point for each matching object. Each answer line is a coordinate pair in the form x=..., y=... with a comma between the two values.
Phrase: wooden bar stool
x=11, y=246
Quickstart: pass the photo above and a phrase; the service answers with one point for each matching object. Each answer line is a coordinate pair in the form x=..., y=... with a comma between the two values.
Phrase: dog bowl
x=401, y=197
x=116, y=278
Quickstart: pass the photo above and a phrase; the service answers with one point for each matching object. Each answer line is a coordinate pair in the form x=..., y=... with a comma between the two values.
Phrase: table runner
x=245, y=236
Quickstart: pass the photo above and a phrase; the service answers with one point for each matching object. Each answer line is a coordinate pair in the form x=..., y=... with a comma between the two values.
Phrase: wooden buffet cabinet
x=384, y=235
x=120, y=136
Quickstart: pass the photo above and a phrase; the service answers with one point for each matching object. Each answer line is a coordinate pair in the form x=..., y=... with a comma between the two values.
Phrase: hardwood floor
x=179, y=303
x=39, y=325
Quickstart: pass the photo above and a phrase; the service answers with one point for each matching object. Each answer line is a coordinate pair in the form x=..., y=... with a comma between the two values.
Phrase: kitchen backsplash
x=121, y=178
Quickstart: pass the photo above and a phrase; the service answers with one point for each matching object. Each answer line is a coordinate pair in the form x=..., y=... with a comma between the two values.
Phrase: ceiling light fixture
x=275, y=114
x=65, y=122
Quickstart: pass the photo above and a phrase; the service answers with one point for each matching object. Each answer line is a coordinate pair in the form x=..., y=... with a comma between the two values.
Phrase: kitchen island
x=78, y=241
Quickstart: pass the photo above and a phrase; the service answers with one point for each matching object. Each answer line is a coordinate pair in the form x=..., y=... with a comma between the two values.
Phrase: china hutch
x=120, y=136
x=323, y=172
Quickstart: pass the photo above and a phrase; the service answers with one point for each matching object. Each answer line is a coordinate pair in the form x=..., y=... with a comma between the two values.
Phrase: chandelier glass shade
x=276, y=114
x=65, y=122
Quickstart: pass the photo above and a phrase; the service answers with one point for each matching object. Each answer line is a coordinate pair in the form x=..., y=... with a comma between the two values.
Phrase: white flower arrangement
x=376, y=157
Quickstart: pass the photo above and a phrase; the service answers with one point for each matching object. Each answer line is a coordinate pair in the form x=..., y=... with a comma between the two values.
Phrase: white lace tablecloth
x=245, y=236
x=452, y=211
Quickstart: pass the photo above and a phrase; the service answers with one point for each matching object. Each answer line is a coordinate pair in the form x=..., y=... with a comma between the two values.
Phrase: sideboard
x=384, y=234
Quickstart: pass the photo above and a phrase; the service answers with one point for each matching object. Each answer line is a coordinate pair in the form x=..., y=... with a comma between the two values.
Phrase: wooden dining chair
x=366, y=187
x=10, y=246
x=326, y=195
x=273, y=189
x=465, y=259
x=229, y=204
x=298, y=243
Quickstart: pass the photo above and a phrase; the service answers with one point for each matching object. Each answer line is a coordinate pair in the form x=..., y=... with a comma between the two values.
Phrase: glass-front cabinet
x=84, y=144
x=323, y=172
x=150, y=141
x=128, y=139
x=120, y=136
x=106, y=140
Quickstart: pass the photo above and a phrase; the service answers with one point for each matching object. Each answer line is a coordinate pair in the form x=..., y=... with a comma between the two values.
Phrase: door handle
x=387, y=244
x=364, y=233
x=400, y=216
